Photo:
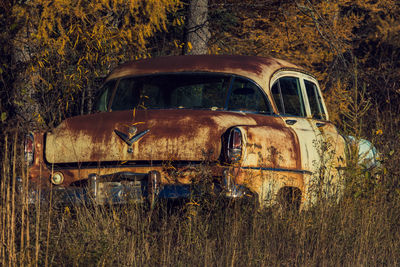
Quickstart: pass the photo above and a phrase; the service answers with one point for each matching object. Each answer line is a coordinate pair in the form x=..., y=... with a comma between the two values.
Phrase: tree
x=197, y=29
x=71, y=43
x=333, y=39
x=8, y=23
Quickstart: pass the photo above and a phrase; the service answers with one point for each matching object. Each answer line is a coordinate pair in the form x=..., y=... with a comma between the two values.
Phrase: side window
x=245, y=95
x=287, y=96
x=314, y=98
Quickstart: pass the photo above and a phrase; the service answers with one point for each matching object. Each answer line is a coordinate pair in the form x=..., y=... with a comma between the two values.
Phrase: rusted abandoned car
x=260, y=125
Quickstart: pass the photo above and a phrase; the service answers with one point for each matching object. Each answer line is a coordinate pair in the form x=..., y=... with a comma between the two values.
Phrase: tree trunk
x=197, y=30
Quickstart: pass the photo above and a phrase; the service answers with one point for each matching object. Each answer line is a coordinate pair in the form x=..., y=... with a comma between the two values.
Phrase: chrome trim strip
x=276, y=169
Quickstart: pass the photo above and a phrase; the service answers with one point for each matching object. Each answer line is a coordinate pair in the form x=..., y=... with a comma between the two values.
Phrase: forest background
x=54, y=55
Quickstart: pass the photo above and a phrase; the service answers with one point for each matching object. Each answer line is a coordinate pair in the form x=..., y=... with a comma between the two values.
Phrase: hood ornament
x=130, y=140
x=132, y=130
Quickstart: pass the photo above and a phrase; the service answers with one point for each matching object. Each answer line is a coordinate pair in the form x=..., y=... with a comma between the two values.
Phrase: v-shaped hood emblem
x=131, y=140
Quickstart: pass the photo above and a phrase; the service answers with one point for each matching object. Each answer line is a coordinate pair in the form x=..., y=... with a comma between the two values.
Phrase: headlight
x=235, y=144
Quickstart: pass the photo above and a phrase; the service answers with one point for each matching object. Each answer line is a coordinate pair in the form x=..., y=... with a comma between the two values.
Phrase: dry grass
x=360, y=230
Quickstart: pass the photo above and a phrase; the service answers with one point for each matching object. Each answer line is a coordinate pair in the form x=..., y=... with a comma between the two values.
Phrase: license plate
x=119, y=192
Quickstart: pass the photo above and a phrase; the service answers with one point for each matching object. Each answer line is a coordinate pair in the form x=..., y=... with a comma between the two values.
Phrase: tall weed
x=354, y=231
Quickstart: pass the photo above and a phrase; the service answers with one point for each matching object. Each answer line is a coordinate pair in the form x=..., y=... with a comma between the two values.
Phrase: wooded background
x=55, y=53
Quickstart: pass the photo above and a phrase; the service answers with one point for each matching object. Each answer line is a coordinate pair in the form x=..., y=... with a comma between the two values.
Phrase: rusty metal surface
x=266, y=184
x=259, y=69
x=271, y=147
x=39, y=172
x=173, y=135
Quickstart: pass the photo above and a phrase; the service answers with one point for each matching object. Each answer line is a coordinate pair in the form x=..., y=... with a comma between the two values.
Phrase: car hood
x=165, y=135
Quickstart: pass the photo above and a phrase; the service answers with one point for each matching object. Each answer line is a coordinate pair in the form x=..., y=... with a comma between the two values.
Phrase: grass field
x=363, y=229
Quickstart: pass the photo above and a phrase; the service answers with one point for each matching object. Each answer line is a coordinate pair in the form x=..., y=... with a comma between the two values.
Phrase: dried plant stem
x=3, y=222
x=13, y=204
x=37, y=223
x=26, y=204
x=8, y=208
x=46, y=261
x=23, y=226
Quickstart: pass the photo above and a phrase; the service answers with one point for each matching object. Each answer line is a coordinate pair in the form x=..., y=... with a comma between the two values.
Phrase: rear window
x=184, y=91
x=191, y=91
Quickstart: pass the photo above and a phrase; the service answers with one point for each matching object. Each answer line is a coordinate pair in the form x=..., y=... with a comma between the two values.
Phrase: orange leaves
x=302, y=31
x=65, y=25
x=74, y=41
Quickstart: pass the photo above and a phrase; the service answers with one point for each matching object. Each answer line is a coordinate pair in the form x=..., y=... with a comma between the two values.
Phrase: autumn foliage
x=71, y=43
x=63, y=48
x=340, y=41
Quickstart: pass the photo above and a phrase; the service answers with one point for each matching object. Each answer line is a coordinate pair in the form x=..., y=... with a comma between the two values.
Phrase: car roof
x=259, y=69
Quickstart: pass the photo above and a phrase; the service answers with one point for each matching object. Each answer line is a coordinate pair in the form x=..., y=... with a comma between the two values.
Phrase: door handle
x=320, y=124
x=290, y=122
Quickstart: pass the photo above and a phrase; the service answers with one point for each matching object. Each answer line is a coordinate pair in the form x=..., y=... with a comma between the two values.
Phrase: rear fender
x=270, y=160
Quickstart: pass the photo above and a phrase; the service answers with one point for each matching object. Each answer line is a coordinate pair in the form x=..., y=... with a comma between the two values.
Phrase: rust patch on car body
x=259, y=69
x=173, y=135
x=277, y=148
x=266, y=183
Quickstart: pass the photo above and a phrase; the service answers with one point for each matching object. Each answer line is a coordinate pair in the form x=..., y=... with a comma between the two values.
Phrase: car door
x=291, y=102
x=333, y=144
